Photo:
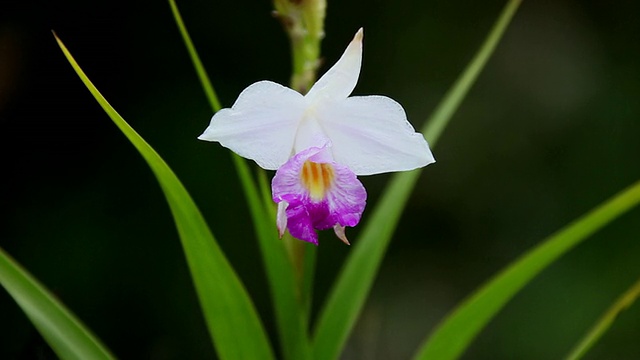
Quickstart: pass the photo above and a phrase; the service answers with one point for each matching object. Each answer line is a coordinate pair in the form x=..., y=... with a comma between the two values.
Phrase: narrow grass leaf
x=291, y=324
x=66, y=335
x=356, y=278
x=265, y=193
x=457, y=331
x=448, y=106
x=195, y=59
x=229, y=313
x=604, y=323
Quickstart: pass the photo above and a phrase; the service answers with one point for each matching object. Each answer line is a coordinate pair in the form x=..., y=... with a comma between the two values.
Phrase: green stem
x=605, y=322
x=303, y=21
x=303, y=258
x=310, y=255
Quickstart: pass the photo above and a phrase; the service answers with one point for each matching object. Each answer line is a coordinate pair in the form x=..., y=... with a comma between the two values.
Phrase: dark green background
x=550, y=130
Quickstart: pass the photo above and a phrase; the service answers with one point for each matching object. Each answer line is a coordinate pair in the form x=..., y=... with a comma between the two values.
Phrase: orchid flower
x=319, y=143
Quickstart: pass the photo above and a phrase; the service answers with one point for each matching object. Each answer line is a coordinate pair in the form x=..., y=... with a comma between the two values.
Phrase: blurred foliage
x=549, y=131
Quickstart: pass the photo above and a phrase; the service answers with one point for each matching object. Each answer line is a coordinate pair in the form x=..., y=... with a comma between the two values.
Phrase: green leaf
x=66, y=335
x=448, y=106
x=457, y=331
x=230, y=315
x=604, y=323
x=197, y=64
x=354, y=283
x=265, y=193
x=291, y=323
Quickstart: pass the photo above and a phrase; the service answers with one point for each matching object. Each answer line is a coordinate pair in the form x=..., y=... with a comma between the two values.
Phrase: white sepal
x=261, y=125
x=339, y=81
x=371, y=135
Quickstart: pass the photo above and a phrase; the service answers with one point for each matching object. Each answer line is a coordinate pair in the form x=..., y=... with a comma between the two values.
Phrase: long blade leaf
x=66, y=335
x=457, y=331
x=354, y=283
x=604, y=323
x=230, y=315
x=195, y=59
x=291, y=324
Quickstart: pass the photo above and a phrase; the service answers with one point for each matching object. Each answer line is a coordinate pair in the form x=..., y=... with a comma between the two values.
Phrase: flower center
x=317, y=178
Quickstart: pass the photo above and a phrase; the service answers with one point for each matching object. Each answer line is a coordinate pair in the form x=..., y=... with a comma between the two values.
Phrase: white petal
x=261, y=125
x=371, y=135
x=281, y=217
x=341, y=79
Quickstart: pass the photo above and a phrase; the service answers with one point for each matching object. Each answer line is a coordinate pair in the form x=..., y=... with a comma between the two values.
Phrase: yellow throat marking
x=317, y=178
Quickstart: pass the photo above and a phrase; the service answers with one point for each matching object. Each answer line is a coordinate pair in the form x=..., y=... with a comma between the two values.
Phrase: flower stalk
x=303, y=20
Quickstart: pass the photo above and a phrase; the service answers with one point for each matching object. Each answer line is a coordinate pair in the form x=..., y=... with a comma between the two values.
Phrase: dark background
x=550, y=130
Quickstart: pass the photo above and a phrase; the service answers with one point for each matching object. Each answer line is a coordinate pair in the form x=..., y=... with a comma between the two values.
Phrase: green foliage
x=604, y=323
x=66, y=335
x=230, y=315
x=354, y=283
x=291, y=324
x=234, y=325
x=455, y=334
